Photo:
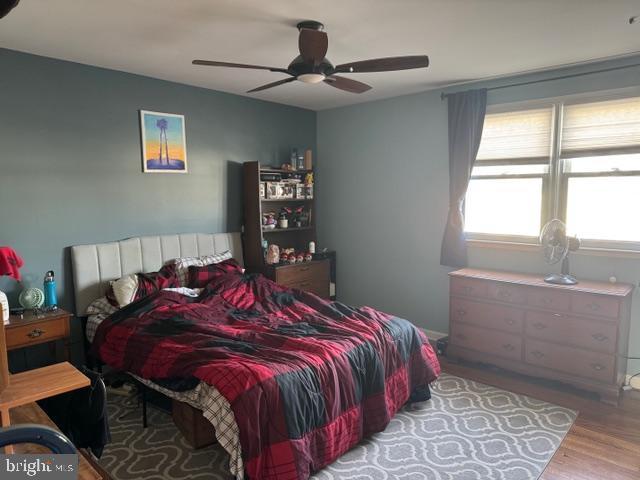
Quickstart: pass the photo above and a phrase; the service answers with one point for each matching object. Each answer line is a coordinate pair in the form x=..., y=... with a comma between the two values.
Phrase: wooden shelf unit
x=312, y=276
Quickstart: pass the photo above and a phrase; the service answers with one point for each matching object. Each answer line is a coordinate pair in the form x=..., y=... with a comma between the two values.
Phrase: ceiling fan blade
x=272, y=84
x=313, y=45
x=7, y=6
x=387, y=64
x=347, y=84
x=212, y=63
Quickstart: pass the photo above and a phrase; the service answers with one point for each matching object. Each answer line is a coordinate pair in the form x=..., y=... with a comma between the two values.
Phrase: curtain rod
x=551, y=79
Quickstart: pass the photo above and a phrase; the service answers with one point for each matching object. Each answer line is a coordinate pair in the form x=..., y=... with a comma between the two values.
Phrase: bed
x=289, y=381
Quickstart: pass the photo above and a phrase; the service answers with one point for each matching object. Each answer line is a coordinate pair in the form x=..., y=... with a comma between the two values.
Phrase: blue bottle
x=50, y=297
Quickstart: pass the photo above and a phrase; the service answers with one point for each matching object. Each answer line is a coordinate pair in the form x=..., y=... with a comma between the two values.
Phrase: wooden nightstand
x=30, y=329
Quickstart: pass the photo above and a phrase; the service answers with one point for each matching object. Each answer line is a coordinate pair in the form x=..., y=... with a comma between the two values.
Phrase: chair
x=38, y=434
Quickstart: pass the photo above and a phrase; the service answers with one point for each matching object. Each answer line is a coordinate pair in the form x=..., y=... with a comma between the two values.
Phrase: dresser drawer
x=294, y=274
x=599, y=305
x=580, y=332
x=492, y=342
x=36, y=332
x=468, y=287
x=590, y=365
x=548, y=298
x=315, y=285
x=486, y=315
x=507, y=293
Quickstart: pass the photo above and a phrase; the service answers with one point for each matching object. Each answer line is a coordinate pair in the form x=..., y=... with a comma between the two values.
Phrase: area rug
x=467, y=431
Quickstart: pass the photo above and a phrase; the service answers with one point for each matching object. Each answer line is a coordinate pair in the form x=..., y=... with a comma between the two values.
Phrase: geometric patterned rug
x=467, y=431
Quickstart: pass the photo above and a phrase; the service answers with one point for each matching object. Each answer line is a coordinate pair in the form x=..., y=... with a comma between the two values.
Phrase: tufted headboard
x=94, y=266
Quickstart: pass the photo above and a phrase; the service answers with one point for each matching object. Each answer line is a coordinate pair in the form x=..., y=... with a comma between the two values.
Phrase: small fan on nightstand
x=556, y=246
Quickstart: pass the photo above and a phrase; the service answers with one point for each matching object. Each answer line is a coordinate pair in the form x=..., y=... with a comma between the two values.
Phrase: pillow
x=200, y=276
x=183, y=264
x=149, y=283
x=125, y=289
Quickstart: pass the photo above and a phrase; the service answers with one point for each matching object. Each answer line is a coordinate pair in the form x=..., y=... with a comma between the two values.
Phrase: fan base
x=561, y=279
x=311, y=25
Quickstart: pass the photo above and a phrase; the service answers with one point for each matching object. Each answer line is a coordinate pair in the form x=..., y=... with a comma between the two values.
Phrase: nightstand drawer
x=319, y=287
x=34, y=333
x=311, y=271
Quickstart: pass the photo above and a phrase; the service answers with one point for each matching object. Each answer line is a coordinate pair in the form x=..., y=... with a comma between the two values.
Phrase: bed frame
x=94, y=266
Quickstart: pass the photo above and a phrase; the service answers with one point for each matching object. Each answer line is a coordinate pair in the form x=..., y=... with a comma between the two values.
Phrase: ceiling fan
x=311, y=66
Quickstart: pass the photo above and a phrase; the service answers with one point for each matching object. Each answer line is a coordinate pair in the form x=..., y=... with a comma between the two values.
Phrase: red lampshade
x=10, y=262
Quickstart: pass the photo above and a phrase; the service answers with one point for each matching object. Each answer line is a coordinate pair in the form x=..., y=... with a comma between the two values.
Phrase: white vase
x=4, y=302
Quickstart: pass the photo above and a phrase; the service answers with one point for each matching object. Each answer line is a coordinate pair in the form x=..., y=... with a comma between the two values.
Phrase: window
x=579, y=162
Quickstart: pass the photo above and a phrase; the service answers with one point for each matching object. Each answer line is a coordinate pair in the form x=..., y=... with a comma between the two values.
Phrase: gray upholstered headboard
x=94, y=266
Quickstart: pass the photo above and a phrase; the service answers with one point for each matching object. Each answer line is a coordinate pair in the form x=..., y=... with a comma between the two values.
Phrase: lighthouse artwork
x=164, y=147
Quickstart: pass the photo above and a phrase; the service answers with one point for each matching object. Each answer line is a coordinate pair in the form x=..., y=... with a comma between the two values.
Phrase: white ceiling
x=465, y=39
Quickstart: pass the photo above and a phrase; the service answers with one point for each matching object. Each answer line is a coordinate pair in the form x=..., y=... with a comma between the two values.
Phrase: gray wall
x=70, y=167
x=382, y=200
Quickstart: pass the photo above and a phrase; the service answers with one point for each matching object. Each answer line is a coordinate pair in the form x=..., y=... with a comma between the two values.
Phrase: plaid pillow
x=149, y=283
x=183, y=264
x=200, y=276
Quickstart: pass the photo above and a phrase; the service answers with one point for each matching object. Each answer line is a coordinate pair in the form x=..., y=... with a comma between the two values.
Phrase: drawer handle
x=539, y=326
x=35, y=333
x=597, y=366
x=599, y=337
x=547, y=301
x=305, y=284
x=504, y=294
x=594, y=307
x=537, y=354
x=508, y=347
x=461, y=311
x=303, y=269
x=467, y=289
x=509, y=321
x=557, y=315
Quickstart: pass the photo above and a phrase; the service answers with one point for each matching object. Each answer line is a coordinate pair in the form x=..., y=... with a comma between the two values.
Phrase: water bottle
x=50, y=297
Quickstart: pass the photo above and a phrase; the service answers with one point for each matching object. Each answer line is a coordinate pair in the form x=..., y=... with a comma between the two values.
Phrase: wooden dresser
x=310, y=276
x=576, y=334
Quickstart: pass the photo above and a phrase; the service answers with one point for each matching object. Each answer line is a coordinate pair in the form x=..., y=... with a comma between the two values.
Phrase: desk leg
x=6, y=421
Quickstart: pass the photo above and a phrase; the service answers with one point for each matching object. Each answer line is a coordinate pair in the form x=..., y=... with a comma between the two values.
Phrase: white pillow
x=125, y=289
x=183, y=264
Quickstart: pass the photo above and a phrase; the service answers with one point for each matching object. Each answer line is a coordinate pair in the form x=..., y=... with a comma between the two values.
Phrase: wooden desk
x=88, y=469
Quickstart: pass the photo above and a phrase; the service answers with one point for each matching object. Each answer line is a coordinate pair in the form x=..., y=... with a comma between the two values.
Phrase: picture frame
x=164, y=143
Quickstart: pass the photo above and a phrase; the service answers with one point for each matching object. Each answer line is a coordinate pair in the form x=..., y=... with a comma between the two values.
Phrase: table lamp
x=10, y=263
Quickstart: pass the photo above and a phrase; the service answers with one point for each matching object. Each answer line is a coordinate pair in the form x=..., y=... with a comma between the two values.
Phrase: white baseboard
x=433, y=335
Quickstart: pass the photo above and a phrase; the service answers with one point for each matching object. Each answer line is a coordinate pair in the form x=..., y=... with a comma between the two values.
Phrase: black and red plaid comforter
x=307, y=379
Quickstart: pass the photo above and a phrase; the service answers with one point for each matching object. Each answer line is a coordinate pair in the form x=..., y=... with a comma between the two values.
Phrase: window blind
x=517, y=135
x=607, y=127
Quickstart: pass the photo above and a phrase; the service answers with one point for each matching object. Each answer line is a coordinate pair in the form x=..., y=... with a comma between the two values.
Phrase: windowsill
x=534, y=247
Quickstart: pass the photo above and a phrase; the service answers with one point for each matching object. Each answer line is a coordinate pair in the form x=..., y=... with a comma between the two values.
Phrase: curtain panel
x=466, y=118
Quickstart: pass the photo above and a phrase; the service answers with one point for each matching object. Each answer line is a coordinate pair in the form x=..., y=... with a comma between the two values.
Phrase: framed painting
x=164, y=144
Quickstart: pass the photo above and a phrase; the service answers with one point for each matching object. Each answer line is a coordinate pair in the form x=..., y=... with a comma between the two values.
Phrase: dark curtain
x=466, y=118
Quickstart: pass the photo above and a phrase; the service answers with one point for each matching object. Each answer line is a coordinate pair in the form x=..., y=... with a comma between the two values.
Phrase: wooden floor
x=604, y=442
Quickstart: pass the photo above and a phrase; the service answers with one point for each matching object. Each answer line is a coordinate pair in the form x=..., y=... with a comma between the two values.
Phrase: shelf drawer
x=548, y=298
x=36, y=332
x=600, y=305
x=507, y=293
x=487, y=315
x=468, y=287
x=302, y=272
x=492, y=342
x=590, y=365
x=576, y=331
x=318, y=286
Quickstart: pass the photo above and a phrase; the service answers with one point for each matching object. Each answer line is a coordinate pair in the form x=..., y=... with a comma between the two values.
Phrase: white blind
x=601, y=126
x=521, y=134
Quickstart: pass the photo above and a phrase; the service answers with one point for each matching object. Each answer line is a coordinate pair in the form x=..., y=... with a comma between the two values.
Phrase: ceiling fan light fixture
x=311, y=77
